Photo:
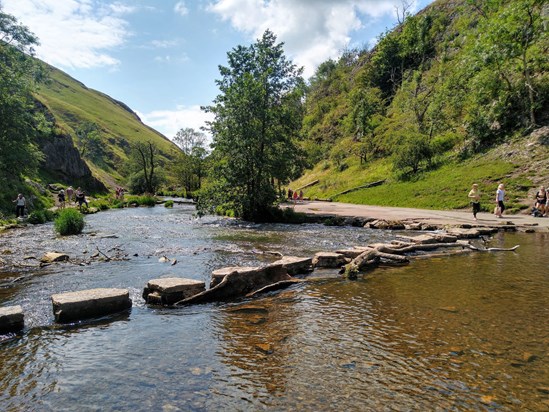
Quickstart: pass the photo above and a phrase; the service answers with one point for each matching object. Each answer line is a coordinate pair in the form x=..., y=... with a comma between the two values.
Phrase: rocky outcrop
x=61, y=157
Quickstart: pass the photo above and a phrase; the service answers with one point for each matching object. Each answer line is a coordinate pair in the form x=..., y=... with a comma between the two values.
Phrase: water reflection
x=459, y=333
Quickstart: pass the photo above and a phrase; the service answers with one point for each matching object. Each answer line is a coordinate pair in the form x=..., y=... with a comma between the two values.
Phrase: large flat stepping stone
x=219, y=274
x=167, y=291
x=85, y=304
x=12, y=319
x=295, y=264
x=328, y=260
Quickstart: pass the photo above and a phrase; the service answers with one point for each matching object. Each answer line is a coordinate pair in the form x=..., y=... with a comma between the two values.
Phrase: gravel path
x=444, y=217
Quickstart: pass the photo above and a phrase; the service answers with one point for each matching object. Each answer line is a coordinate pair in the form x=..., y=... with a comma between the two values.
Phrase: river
x=467, y=332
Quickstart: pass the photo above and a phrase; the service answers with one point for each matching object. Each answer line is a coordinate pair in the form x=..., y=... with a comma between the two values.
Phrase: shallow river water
x=467, y=332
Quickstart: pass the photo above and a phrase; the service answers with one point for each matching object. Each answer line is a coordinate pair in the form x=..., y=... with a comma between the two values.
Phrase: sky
x=161, y=57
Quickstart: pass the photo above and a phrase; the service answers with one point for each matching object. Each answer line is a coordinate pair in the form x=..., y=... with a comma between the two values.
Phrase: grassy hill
x=457, y=94
x=72, y=104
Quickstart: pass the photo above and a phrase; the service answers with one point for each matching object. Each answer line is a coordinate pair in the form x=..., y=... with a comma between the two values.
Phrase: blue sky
x=161, y=57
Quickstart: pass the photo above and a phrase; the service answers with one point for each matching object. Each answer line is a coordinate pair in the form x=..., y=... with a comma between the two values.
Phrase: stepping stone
x=328, y=260
x=296, y=265
x=11, y=319
x=219, y=274
x=85, y=304
x=167, y=291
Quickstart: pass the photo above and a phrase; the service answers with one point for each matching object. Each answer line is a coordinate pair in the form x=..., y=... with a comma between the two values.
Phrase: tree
x=89, y=140
x=145, y=179
x=257, y=120
x=190, y=167
x=19, y=122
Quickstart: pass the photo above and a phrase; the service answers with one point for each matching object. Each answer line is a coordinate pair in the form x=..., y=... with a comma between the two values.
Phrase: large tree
x=19, y=123
x=257, y=119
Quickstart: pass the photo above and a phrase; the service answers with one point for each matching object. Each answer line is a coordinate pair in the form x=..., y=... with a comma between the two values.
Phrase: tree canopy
x=19, y=124
x=258, y=115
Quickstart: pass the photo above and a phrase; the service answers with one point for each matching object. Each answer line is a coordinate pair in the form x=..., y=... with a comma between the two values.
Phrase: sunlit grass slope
x=444, y=188
x=72, y=104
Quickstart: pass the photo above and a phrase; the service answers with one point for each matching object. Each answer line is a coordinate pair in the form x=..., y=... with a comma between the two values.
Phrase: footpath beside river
x=409, y=215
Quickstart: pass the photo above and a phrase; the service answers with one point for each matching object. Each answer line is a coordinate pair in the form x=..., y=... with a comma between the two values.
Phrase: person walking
x=500, y=198
x=474, y=195
x=20, y=204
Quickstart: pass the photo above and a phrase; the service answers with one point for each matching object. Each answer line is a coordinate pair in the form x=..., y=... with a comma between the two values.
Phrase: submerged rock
x=51, y=257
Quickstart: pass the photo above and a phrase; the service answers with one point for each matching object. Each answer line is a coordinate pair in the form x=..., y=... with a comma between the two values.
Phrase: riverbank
x=457, y=218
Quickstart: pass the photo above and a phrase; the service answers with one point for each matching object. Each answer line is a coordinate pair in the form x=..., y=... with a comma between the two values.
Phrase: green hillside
x=457, y=94
x=73, y=104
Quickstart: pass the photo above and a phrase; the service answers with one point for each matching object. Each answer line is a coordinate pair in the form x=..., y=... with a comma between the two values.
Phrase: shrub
x=169, y=203
x=69, y=222
x=37, y=217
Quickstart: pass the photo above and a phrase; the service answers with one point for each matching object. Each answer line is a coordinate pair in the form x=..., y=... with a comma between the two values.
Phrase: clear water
x=467, y=332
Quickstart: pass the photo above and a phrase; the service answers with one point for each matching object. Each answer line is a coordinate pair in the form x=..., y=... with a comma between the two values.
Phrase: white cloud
x=312, y=30
x=181, y=9
x=73, y=33
x=168, y=122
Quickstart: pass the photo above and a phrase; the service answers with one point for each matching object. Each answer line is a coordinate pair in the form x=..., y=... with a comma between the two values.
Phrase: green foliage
x=457, y=79
x=191, y=165
x=146, y=200
x=168, y=203
x=69, y=222
x=37, y=217
x=415, y=153
x=101, y=204
x=257, y=120
x=20, y=125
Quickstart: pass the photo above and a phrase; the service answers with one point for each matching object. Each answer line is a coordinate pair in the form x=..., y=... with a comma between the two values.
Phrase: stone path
x=440, y=217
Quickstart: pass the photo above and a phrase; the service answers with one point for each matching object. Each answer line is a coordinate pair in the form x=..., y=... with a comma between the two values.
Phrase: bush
x=37, y=217
x=169, y=203
x=69, y=222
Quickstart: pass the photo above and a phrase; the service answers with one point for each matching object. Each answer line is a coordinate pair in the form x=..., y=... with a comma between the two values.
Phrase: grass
x=444, y=188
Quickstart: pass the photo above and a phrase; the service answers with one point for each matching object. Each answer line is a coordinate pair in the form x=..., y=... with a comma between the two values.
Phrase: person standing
x=61, y=198
x=81, y=198
x=541, y=200
x=20, y=204
x=474, y=195
x=70, y=193
x=500, y=198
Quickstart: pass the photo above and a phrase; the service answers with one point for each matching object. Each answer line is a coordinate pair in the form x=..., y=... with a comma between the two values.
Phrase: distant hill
x=457, y=94
x=69, y=104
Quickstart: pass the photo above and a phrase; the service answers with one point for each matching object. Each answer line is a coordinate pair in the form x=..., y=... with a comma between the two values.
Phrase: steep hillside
x=446, y=99
x=72, y=105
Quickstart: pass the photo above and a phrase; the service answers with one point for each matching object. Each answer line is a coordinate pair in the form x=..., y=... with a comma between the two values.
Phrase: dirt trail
x=439, y=217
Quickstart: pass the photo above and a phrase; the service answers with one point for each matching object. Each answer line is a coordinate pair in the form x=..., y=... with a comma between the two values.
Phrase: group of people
x=475, y=194
x=294, y=195
x=541, y=206
x=119, y=193
x=70, y=195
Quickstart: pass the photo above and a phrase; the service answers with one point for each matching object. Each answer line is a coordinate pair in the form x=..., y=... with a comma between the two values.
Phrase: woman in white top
x=500, y=197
